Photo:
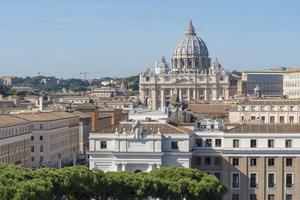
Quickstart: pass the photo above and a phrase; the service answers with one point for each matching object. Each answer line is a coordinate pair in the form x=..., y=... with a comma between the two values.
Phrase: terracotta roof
x=265, y=128
x=272, y=102
x=46, y=116
x=81, y=114
x=209, y=108
x=10, y=120
x=150, y=127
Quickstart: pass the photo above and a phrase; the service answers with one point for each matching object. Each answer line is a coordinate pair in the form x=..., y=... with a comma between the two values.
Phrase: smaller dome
x=191, y=44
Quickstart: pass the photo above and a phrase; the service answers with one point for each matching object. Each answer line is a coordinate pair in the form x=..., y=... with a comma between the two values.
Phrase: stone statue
x=137, y=129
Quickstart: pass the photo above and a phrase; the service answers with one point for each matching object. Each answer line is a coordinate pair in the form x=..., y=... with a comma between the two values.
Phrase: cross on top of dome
x=190, y=30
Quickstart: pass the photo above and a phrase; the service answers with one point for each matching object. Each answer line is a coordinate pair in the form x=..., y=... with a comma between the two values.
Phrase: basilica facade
x=192, y=75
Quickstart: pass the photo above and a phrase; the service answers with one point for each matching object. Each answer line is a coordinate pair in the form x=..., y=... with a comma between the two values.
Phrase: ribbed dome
x=191, y=44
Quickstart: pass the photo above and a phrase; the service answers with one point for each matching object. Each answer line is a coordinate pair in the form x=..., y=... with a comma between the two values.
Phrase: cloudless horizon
x=121, y=38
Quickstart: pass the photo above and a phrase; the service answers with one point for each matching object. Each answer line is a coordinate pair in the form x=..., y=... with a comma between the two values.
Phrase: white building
x=139, y=147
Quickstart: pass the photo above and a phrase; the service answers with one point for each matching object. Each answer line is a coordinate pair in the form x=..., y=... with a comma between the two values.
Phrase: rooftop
x=150, y=127
x=272, y=102
x=46, y=116
x=265, y=128
x=9, y=120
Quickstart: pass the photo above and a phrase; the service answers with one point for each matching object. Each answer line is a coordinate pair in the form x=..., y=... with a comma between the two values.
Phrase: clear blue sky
x=124, y=37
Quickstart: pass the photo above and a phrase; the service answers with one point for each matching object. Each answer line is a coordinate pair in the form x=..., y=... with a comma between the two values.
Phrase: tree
x=80, y=183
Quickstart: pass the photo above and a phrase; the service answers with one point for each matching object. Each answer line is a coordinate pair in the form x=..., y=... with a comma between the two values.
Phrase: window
x=252, y=118
x=32, y=138
x=253, y=183
x=235, y=180
x=236, y=143
x=32, y=158
x=198, y=160
x=235, y=197
x=41, y=126
x=207, y=160
x=218, y=175
x=272, y=119
x=271, y=162
x=252, y=161
x=103, y=145
x=253, y=197
x=289, y=162
x=288, y=197
x=271, y=197
x=288, y=143
x=252, y=143
x=199, y=142
x=208, y=142
x=41, y=148
x=218, y=142
x=271, y=143
x=235, y=161
x=41, y=158
x=32, y=148
x=271, y=180
x=288, y=180
x=218, y=161
x=41, y=138
x=263, y=119
x=281, y=119
x=291, y=119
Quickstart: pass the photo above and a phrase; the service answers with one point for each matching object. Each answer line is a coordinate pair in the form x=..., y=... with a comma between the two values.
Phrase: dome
x=191, y=44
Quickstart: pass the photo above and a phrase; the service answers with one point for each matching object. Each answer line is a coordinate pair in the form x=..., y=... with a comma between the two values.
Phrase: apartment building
x=54, y=138
x=15, y=136
x=266, y=111
x=291, y=83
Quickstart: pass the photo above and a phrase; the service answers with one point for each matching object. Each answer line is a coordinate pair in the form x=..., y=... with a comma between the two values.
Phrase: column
x=205, y=94
x=153, y=99
x=179, y=94
x=188, y=94
x=162, y=100
x=123, y=167
x=194, y=93
x=171, y=93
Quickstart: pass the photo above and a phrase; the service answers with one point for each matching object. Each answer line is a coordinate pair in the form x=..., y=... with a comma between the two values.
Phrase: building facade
x=291, y=83
x=139, y=147
x=15, y=136
x=54, y=138
x=266, y=111
x=253, y=160
x=192, y=75
x=270, y=82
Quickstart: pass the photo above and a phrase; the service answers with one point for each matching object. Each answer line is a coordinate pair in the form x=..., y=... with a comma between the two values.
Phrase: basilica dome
x=190, y=52
x=190, y=43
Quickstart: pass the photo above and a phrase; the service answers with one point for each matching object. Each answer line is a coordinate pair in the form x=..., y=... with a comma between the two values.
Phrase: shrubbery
x=80, y=183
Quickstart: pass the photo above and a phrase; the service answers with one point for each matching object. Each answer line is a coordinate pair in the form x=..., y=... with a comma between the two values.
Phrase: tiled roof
x=150, y=127
x=265, y=128
x=272, y=102
x=9, y=120
x=81, y=114
x=46, y=116
x=209, y=108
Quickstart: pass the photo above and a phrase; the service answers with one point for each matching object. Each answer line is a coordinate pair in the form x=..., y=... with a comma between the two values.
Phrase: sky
x=125, y=37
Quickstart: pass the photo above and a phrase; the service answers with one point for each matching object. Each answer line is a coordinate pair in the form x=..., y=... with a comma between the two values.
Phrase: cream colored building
x=266, y=111
x=191, y=76
x=54, y=138
x=15, y=136
x=291, y=83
